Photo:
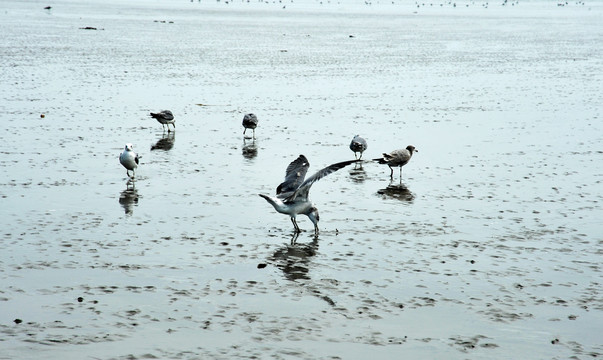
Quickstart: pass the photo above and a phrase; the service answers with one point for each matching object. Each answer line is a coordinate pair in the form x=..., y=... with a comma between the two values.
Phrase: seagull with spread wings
x=292, y=194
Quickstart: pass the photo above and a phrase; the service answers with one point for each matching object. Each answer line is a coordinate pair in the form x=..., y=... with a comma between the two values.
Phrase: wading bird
x=358, y=145
x=129, y=159
x=292, y=194
x=250, y=121
x=398, y=157
x=165, y=118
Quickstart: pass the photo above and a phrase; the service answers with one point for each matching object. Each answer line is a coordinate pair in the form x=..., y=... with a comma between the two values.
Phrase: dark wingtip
x=345, y=163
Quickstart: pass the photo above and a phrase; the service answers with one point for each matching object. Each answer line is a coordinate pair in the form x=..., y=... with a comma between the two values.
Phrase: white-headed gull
x=129, y=159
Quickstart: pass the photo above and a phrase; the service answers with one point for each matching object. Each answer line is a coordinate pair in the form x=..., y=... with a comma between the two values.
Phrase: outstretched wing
x=294, y=175
x=304, y=188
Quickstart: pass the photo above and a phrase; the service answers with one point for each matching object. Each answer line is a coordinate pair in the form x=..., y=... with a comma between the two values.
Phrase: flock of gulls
x=292, y=195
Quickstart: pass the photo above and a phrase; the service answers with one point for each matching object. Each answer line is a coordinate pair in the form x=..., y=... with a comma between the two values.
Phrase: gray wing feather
x=294, y=175
x=250, y=120
x=165, y=115
x=304, y=188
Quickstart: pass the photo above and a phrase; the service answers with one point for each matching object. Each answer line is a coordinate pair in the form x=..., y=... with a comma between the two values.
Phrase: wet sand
x=489, y=248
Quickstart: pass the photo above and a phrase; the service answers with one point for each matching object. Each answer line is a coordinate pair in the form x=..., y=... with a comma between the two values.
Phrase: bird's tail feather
x=269, y=199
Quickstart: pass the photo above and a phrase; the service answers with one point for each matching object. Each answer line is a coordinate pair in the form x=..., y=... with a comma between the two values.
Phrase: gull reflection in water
x=166, y=142
x=129, y=197
x=397, y=192
x=294, y=259
x=357, y=173
x=250, y=149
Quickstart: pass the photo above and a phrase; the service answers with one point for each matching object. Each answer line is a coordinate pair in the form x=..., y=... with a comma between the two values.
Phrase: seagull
x=166, y=118
x=250, y=121
x=358, y=144
x=292, y=194
x=129, y=159
x=398, y=157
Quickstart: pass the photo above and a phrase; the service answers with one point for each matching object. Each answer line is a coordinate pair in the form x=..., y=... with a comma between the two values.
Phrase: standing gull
x=358, y=144
x=165, y=118
x=129, y=159
x=292, y=194
x=398, y=157
x=250, y=121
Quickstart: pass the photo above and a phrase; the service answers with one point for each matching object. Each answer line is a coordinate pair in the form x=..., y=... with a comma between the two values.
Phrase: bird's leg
x=360, y=157
x=244, y=131
x=315, y=230
x=253, y=133
x=294, y=238
x=297, y=229
x=391, y=175
x=355, y=156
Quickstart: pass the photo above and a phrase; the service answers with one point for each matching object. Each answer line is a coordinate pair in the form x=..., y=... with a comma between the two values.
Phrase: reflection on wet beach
x=397, y=192
x=294, y=259
x=129, y=197
x=250, y=149
x=166, y=142
x=357, y=173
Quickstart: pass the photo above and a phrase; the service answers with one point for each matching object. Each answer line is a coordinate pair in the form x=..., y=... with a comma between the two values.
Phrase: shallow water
x=489, y=247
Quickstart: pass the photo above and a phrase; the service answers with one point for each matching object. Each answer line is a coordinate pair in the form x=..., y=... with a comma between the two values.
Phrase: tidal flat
x=488, y=247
